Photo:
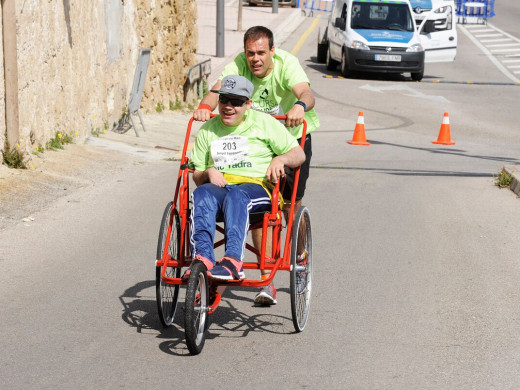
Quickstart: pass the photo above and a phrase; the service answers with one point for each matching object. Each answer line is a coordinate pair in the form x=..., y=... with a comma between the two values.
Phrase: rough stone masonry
x=74, y=62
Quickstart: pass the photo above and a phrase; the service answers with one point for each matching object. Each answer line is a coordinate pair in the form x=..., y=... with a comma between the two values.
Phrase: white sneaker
x=266, y=296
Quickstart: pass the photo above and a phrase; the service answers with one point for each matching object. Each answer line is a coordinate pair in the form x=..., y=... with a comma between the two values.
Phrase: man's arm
x=296, y=114
x=210, y=175
x=211, y=99
x=293, y=158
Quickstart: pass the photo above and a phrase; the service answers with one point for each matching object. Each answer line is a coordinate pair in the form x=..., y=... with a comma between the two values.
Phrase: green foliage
x=205, y=88
x=13, y=158
x=53, y=144
x=176, y=106
x=58, y=141
x=159, y=107
x=503, y=180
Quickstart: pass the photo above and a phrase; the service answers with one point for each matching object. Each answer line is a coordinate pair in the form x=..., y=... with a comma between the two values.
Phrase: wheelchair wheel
x=168, y=294
x=196, y=308
x=301, y=268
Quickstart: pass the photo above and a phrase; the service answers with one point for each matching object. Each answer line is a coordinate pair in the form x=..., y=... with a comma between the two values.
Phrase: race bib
x=229, y=150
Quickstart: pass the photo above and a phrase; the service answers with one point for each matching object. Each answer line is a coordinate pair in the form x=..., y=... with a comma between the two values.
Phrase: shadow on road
x=140, y=312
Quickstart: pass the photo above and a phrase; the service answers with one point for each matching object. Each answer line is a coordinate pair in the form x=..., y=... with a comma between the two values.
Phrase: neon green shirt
x=246, y=149
x=273, y=93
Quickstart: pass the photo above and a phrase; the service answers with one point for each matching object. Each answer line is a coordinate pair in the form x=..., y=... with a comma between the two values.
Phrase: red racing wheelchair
x=203, y=295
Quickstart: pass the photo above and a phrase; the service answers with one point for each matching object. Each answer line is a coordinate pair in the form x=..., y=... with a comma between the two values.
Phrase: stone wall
x=2, y=87
x=77, y=58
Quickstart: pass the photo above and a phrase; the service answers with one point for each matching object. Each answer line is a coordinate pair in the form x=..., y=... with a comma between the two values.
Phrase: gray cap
x=236, y=86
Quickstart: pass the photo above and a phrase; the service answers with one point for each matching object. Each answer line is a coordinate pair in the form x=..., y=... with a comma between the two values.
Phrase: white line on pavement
x=504, y=45
x=496, y=40
x=502, y=50
x=492, y=58
x=487, y=35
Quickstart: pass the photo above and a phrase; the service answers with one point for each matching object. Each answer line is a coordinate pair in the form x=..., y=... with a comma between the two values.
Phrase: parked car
x=382, y=36
x=281, y=3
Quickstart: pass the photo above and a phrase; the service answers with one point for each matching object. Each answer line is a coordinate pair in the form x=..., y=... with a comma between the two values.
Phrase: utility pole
x=239, y=22
x=220, y=28
x=275, y=6
x=10, y=72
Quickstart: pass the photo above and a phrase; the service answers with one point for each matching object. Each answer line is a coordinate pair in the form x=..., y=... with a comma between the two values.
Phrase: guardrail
x=198, y=74
x=475, y=10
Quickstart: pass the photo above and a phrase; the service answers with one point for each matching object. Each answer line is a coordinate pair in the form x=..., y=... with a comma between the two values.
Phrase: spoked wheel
x=196, y=308
x=301, y=268
x=168, y=294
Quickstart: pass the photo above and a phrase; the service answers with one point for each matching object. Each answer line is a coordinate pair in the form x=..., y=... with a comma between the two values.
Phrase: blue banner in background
x=386, y=35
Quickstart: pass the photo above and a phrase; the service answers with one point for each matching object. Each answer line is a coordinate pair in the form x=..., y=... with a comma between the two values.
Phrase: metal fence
x=478, y=11
x=321, y=6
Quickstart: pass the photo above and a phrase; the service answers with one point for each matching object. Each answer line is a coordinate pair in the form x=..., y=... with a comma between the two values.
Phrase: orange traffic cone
x=444, y=134
x=359, y=137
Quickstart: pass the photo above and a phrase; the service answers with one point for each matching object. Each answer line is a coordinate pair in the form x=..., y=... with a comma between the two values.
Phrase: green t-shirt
x=273, y=93
x=246, y=149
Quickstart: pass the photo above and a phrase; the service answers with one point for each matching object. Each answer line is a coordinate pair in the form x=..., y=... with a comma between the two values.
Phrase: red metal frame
x=273, y=219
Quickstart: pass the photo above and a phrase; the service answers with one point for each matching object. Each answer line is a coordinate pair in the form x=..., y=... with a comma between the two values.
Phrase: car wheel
x=345, y=71
x=321, y=57
x=331, y=64
x=417, y=76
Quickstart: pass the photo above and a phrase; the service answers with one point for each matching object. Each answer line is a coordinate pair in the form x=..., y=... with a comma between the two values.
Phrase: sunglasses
x=234, y=102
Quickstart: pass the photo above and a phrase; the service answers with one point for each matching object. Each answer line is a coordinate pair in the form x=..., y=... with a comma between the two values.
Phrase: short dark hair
x=257, y=32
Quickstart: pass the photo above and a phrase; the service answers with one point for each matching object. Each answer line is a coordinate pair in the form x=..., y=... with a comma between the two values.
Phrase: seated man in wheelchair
x=236, y=158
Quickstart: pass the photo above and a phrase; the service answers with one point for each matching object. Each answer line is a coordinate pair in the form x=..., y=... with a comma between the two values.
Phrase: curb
x=514, y=170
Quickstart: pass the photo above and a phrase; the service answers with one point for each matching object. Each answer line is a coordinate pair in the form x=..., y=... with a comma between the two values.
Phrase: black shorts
x=304, y=173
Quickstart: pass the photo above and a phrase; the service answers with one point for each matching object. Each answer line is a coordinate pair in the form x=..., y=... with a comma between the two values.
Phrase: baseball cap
x=235, y=85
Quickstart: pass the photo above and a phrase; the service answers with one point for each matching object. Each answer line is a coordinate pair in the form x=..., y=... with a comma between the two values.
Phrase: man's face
x=259, y=57
x=232, y=109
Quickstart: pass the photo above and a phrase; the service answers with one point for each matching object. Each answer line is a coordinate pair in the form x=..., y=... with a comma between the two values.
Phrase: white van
x=436, y=22
x=378, y=36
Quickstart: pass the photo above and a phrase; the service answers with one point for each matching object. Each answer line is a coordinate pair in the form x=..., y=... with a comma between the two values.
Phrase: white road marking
x=506, y=51
x=505, y=45
x=496, y=40
x=408, y=91
x=487, y=35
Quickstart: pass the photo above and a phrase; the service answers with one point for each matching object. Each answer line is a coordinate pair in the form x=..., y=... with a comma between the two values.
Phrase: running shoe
x=228, y=269
x=266, y=296
x=202, y=259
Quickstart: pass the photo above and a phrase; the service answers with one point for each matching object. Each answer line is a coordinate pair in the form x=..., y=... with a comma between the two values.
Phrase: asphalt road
x=416, y=258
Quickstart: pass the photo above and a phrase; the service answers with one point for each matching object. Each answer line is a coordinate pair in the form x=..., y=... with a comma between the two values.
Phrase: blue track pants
x=231, y=204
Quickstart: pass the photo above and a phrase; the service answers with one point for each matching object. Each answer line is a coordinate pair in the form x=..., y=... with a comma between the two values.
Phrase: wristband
x=302, y=104
x=204, y=107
